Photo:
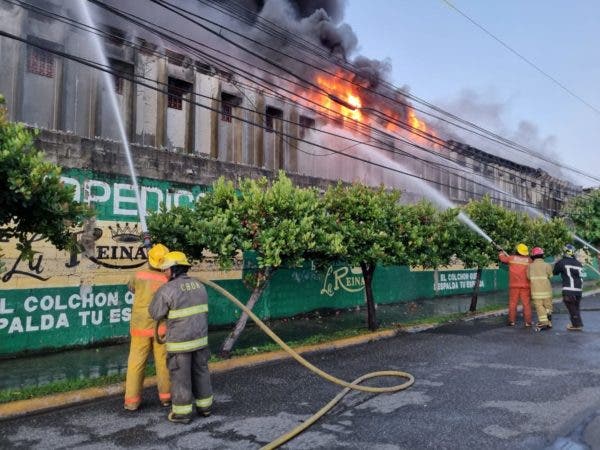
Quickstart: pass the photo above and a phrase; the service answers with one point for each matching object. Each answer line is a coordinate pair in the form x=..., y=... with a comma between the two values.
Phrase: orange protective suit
x=144, y=284
x=518, y=286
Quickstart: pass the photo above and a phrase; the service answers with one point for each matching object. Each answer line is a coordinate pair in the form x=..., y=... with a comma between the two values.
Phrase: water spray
x=587, y=244
x=108, y=82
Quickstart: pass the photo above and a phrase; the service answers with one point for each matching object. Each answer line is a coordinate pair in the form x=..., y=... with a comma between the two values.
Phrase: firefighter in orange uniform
x=144, y=284
x=518, y=284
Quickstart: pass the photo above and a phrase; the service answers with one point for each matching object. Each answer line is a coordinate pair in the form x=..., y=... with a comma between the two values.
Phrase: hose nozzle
x=498, y=247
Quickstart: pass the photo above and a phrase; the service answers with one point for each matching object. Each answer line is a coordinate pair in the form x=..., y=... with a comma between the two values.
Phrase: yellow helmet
x=174, y=259
x=156, y=254
x=522, y=250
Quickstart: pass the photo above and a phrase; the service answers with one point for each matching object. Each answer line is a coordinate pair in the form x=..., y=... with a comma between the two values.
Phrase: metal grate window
x=119, y=83
x=177, y=88
x=40, y=62
x=306, y=123
x=270, y=116
x=226, y=111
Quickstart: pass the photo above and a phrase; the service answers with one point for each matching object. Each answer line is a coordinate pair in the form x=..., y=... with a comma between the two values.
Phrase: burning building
x=331, y=123
x=197, y=105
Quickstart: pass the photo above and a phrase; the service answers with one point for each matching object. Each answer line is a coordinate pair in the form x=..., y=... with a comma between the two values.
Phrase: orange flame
x=344, y=100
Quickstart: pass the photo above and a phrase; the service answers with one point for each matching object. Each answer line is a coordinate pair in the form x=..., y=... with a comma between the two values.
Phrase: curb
x=35, y=405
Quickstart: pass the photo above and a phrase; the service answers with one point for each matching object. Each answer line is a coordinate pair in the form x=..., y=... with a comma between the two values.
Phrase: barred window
x=270, y=116
x=306, y=123
x=226, y=112
x=228, y=101
x=40, y=62
x=177, y=88
x=118, y=84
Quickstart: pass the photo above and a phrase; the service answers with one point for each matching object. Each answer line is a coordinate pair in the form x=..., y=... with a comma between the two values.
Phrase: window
x=176, y=59
x=306, y=123
x=118, y=84
x=122, y=72
x=226, y=112
x=40, y=62
x=228, y=101
x=271, y=115
x=177, y=89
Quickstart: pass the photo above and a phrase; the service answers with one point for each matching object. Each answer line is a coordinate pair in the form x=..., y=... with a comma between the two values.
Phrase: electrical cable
x=429, y=162
x=131, y=79
x=120, y=13
x=523, y=58
x=488, y=135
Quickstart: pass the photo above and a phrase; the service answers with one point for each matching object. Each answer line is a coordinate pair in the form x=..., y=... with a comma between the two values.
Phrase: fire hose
x=354, y=385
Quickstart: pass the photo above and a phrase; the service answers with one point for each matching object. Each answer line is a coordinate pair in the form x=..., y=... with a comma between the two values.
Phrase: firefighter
x=518, y=284
x=183, y=301
x=144, y=284
x=570, y=271
x=538, y=274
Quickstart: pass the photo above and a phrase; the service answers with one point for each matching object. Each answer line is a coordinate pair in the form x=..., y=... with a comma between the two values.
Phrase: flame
x=416, y=123
x=336, y=87
x=342, y=99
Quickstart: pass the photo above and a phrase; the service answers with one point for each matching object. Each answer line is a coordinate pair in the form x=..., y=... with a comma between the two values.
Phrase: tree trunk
x=473, y=306
x=368, y=270
x=241, y=323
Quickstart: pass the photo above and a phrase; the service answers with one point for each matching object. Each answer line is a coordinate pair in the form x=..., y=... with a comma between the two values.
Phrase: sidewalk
x=90, y=363
x=39, y=370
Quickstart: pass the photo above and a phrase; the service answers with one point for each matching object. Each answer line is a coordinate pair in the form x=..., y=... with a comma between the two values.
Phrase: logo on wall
x=349, y=279
x=128, y=247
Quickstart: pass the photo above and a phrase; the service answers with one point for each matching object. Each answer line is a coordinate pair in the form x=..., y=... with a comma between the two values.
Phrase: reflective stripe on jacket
x=539, y=273
x=517, y=270
x=570, y=271
x=144, y=284
x=183, y=301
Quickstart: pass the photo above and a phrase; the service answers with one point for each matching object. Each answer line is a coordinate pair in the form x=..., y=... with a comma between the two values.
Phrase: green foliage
x=506, y=228
x=33, y=200
x=551, y=235
x=376, y=229
x=281, y=224
x=584, y=212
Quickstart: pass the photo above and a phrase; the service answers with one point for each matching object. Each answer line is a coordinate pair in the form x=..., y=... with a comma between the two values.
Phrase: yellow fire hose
x=355, y=385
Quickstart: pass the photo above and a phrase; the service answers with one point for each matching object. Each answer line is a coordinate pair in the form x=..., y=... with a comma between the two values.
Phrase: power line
x=387, y=135
x=523, y=58
x=475, y=128
x=383, y=166
x=406, y=154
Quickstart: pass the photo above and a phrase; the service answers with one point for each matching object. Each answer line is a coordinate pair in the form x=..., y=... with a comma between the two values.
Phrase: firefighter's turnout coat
x=518, y=286
x=144, y=284
x=570, y=271
x=183, y=301
x=539, y=273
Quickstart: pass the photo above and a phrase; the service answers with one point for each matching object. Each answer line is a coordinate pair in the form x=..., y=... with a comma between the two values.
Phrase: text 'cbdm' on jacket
x=183, y=301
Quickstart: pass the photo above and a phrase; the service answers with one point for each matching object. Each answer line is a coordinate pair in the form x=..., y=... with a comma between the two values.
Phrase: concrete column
x=146, y=100
x=291, y=160
x=259, y=132
x=11, y=75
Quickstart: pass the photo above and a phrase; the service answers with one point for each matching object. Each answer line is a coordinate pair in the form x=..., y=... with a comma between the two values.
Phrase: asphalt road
x=479, y=385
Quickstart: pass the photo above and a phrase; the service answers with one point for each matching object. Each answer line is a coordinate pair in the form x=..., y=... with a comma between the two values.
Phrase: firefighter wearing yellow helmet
x=183, y=302
x=518, y=284
x=143, y=285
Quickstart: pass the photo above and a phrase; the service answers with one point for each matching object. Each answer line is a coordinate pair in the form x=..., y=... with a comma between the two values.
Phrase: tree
x=33, y=200
x=584, y=212
x=378, y=230
x=279, y=224
x=506, y=228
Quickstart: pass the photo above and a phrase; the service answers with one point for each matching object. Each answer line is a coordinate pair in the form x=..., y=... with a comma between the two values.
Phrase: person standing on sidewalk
x=570, y=271
x=518, y=284
x=183, y=301
x=538, y=274
x=144, y=284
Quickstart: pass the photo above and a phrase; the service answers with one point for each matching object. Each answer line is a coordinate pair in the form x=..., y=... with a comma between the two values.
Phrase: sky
x=445, y=59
